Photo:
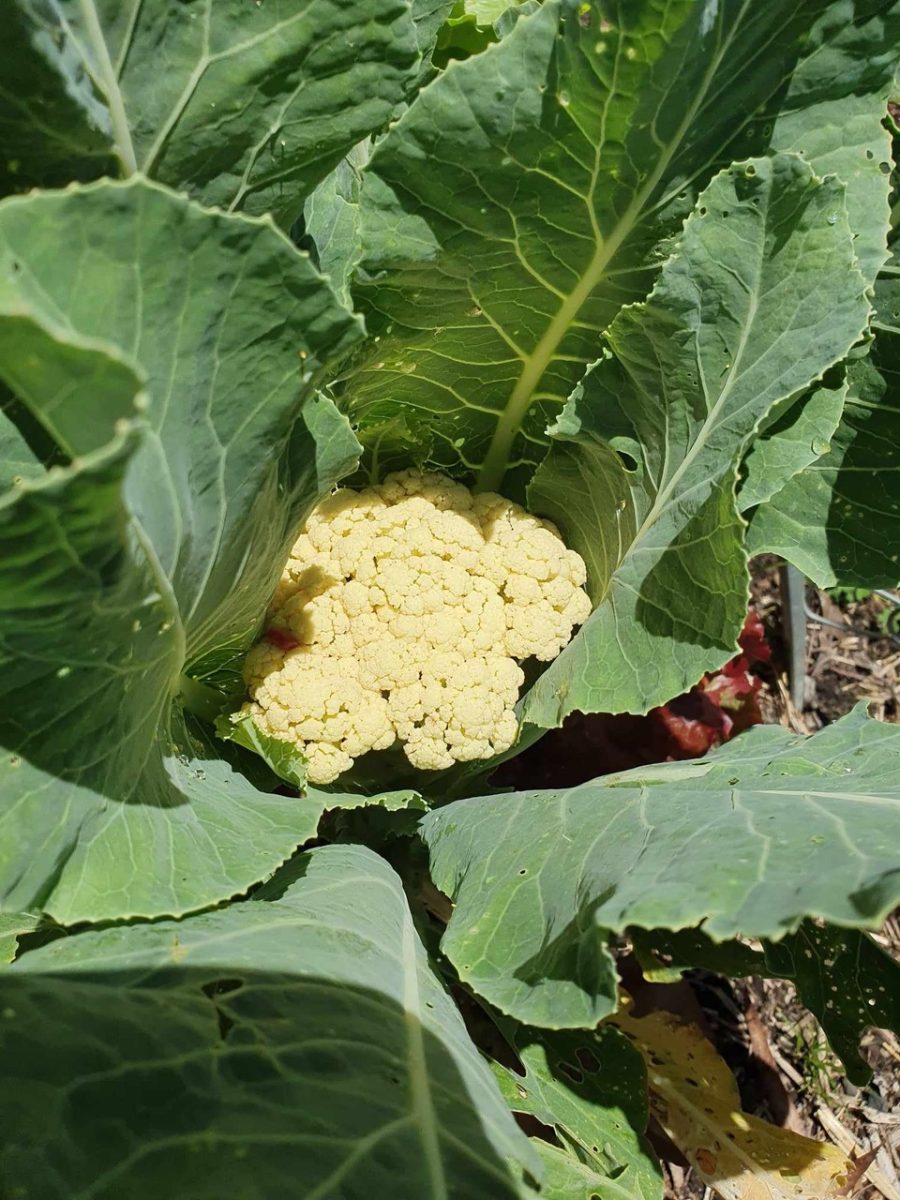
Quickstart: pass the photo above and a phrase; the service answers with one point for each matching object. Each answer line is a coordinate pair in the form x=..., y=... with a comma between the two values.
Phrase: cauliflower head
x=401, y=615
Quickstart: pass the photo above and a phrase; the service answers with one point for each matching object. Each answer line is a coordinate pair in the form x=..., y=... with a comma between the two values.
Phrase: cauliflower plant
x=400, y=616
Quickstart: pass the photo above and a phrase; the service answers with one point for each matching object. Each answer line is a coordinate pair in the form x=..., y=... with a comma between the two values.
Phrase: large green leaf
x=834, y=117
x=589, y=1087
x=834, y=114
x=761, y=297
x=156, y=549
x=767, y=831
x=548, y=168
x=245, y=105
x=295, y=1046
x=841, y=975
x=839, y=519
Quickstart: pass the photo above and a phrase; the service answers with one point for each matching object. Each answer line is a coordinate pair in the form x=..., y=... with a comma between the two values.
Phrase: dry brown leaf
x=695, y=1099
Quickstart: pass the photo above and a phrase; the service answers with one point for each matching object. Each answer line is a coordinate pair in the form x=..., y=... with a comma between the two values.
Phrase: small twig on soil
x=787, y=1067
x=874, y=1171
x=792, y=716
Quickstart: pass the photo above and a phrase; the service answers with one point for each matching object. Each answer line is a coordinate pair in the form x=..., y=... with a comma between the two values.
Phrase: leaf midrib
x=109, y=84
x=665, y=495
x=106, y=76
x=206, y=60
x=167, y=594
x=422, y=1103
x=536, y=364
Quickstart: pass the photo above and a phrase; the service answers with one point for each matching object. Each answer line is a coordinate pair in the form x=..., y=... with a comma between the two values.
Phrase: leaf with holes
x=841, y=975
x=302, y=1035
x=590, y=1089
x=768, y=830
x=695, y=1099
x=625, y=261
x=847, y=980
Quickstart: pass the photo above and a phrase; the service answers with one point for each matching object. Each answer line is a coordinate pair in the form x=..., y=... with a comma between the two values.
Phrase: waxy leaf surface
x=769, y=830
x=761, y=297
x=156, y=344
x=244, y=105
x=549, y=171
x=298, y=1042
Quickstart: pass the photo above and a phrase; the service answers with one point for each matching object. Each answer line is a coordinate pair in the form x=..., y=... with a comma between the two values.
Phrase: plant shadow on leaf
x=295, y=1043
x=284, y=878
x=699, y=560
x=837, y=520
x=577, y=952
x=191, y=755
x=151, y=556
x=751, y=840
x=584, y=1094
x=226, y=1081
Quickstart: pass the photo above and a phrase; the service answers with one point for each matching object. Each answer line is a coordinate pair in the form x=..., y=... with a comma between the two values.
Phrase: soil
x=858, y=662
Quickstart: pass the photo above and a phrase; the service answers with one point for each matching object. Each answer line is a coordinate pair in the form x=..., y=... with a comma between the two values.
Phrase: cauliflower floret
x=317, y=701
x=325, y=761
x=400, y=616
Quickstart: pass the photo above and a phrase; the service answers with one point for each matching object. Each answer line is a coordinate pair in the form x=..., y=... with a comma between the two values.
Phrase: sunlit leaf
x=766, y=831
x=548, y=168
x=226, y=100
x=761, y=296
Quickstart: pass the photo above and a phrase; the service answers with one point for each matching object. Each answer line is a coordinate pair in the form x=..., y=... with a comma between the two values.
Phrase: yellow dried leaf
x=695, y=1099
